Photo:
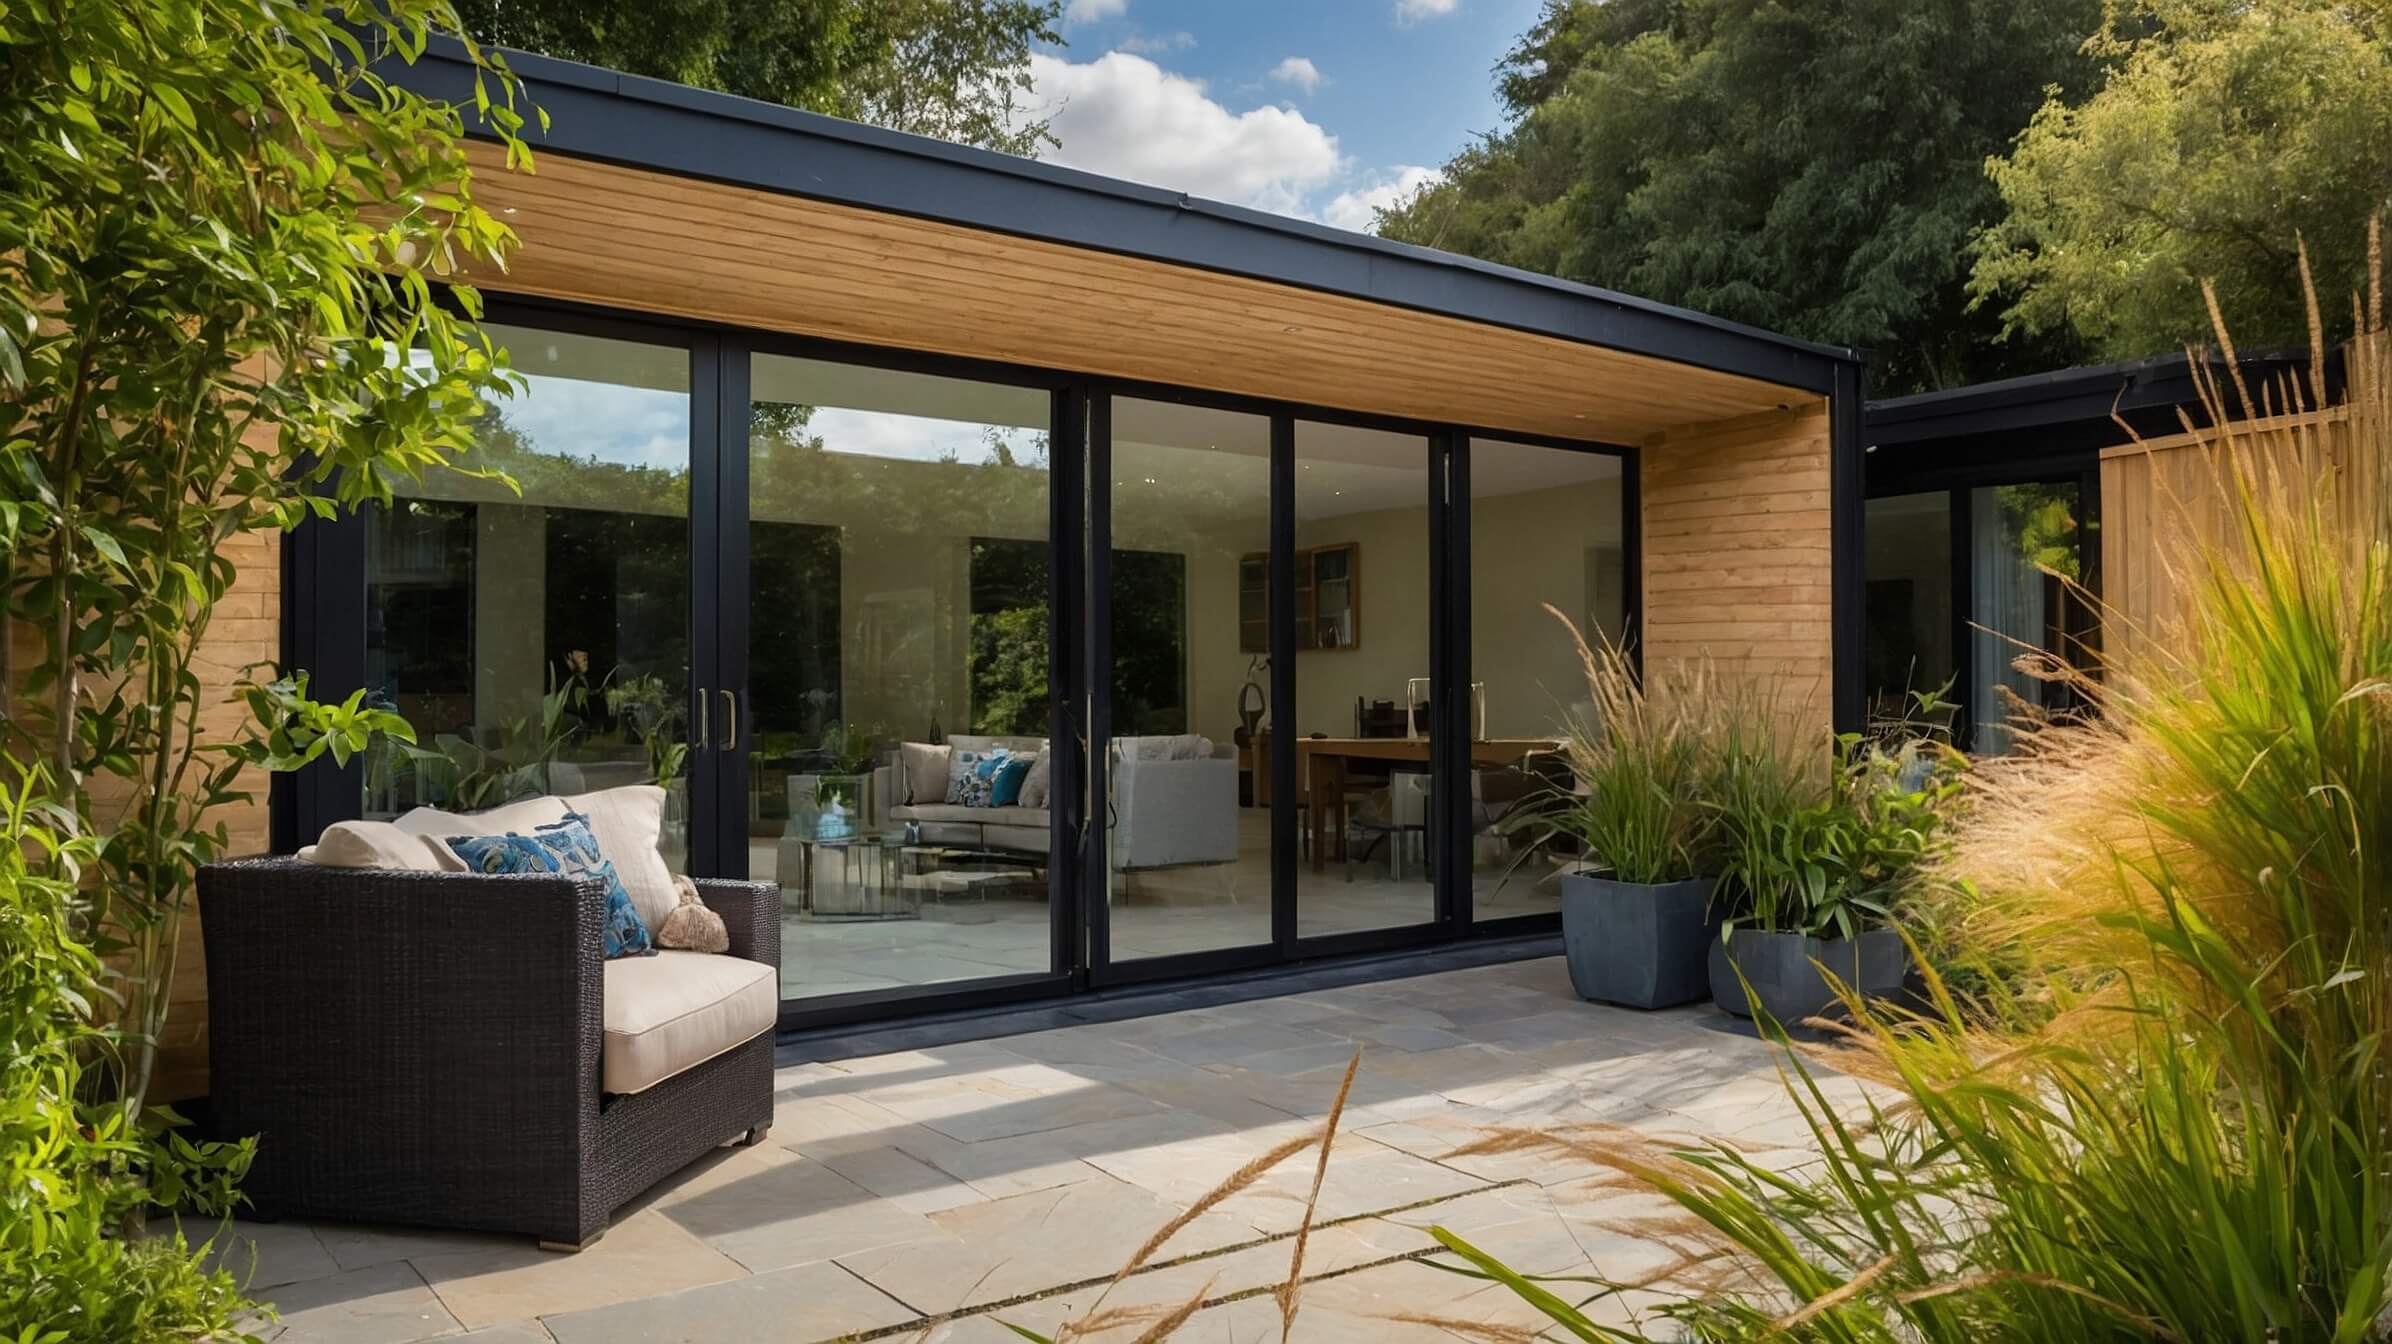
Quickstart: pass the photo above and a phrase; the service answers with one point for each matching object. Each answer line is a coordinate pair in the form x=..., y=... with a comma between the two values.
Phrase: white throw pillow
x=628, y=822
x=925, y=771
x=377, y=844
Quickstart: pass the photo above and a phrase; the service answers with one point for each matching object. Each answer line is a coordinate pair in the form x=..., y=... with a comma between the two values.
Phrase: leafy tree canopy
x=1810, y=166
x=955, y=69
x=2227, y=131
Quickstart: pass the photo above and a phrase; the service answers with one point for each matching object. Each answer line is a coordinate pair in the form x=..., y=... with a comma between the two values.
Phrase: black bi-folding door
x=1238, y=636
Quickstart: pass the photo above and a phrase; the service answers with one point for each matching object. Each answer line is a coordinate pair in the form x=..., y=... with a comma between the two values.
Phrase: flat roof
x=653, y=124
x=2089, y=393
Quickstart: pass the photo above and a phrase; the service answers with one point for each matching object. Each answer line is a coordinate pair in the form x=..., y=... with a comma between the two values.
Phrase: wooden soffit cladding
x=628, y=238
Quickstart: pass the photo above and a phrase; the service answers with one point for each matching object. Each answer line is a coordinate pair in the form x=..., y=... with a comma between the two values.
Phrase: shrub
x=1828, y=850
x=71, y=1171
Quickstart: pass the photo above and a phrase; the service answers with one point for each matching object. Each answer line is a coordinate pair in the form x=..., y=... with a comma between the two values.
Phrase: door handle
x=702, y=738
x=730, y=720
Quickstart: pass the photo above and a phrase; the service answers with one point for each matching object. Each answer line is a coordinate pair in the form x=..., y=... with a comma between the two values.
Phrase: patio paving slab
x=386, y=1304
x=809, y=1302
x=935, y=1194
x=639, y=1256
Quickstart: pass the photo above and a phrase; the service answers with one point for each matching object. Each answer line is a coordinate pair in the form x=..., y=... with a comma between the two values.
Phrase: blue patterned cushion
x=569, y=847
x=972, y=775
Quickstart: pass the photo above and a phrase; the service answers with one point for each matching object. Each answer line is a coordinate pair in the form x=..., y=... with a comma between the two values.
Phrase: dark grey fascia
x=2143, y=390
x=671, y=128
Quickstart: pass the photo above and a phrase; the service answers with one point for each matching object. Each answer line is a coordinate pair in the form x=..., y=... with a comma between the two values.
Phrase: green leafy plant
x=648, y=709
x=218, y=249
x=74, y=1170
x=850, y=748
x=473, y=775
x=1826, y=848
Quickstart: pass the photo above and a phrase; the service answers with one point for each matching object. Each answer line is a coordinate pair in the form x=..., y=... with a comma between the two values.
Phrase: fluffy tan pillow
x=693, y=926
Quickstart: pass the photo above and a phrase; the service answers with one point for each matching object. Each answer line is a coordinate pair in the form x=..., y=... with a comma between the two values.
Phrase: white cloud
x=1159, y=44
x=1406, y=11
x=1089, y=11
x=1125, y=116
x=1299, y=71
x=1358, y=209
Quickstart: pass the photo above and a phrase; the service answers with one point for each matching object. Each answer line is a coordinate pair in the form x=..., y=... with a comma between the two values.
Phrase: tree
x=218, y=251
x=2226, y=133
x=954, y=69
x=1810, y=166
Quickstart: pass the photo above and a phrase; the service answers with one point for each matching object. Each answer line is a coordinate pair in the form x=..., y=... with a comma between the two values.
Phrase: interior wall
x=1739, y=556
x=1527, y=550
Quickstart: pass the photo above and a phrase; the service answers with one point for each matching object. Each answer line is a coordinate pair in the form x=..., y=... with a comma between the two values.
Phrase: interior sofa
x=1175, y=801
x=415, y=1044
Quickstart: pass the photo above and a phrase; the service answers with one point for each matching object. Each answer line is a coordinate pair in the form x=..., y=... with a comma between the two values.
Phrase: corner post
x=1847, y=411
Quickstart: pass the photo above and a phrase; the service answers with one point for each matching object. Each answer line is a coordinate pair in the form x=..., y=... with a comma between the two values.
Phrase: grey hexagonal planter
x=1784, y=970
x=1636, y=944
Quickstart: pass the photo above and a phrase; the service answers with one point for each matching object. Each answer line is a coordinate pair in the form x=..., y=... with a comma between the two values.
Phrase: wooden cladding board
x=1738, y=559
x=627, y=238
x=2162, y=499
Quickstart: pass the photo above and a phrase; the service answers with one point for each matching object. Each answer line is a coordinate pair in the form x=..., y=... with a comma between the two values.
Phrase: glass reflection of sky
x=917, y=438
x=623, y=426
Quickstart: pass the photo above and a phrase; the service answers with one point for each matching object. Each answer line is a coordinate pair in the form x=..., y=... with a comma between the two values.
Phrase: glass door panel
x=1189, y=848
x=1909, y=621
x=538, y=638
x=1547, y=528
x=2023, y=551
x=898, y=687
x=1361, y=705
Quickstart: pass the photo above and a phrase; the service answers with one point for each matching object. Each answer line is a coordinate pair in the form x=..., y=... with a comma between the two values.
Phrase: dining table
x=1321, y=767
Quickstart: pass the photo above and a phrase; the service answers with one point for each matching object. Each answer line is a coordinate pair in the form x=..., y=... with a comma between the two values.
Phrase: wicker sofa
x=425, y=1047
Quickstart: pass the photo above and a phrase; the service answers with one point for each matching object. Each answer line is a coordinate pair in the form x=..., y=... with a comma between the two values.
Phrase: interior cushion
x=1006, y=790
x=377, y=844
x=628, y=822
x=972, y=775
x=925, y=772
x=675, y=1009
x=1037, y=784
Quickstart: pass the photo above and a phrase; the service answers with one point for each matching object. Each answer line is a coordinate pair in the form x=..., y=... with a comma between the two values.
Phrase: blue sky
x=1304, y=107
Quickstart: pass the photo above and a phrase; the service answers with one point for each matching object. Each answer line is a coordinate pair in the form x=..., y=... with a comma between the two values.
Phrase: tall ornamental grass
x=2160, y=1109
x=1639, y=753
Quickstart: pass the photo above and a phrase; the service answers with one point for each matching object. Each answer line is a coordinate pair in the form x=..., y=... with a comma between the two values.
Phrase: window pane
x=1191, y=508
x=900, y=567
x=1545, y=529
x=1909, y=621
x=1362, y=665
x=539, y=642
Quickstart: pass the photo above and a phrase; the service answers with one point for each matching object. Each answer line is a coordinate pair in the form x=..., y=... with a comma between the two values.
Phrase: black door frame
x=326, y=561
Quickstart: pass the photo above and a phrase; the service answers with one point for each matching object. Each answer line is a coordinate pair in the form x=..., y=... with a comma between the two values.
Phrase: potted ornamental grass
x=1815, y=854
x=1636, y=918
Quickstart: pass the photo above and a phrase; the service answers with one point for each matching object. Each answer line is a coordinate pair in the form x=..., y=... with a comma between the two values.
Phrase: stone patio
x=932, y=1194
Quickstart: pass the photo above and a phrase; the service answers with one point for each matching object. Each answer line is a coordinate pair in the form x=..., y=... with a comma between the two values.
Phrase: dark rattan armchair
x=424, y=1048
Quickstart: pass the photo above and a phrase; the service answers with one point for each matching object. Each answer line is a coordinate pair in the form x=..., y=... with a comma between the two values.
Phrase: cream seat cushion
x=627, y=821
x=675, y=1009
